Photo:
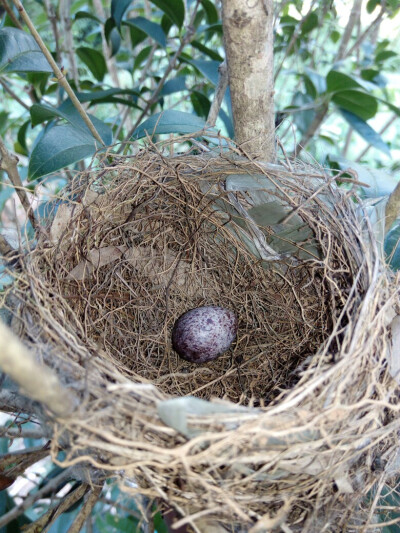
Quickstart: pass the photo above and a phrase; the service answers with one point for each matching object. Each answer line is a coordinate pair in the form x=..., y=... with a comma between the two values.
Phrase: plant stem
x=57, y=72
x=8, y=163
x=12, y=93
x=218, y=95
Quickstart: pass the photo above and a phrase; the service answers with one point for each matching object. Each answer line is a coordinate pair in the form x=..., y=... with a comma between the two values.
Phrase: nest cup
x=282, y=430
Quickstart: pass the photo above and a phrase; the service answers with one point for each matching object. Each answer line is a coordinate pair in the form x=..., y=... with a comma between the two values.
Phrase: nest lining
x=310, y=351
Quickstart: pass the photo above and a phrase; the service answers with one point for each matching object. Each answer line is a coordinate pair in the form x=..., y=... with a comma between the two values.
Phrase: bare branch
x=354, y=17
x=52, y=485
x=54, y=512
x=59, y=75
x=8, y=89
x=171, y=65
x=10, y=13
x=219, y=94
x=19, y=433
x=86, y=510
x=65, y=10
x=39, y=382
x=13, y=402
x=8, y=163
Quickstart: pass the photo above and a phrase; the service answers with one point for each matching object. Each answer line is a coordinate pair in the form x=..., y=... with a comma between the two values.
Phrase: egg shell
x=204, y=333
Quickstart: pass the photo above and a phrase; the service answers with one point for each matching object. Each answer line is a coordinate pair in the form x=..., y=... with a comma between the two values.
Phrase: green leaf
x=392, y=247
x=201, y=104
x=118, y=8
x=142, y=56
x=169, y=121
x=159, y=524
x=175, y=85
x=379, y=182
x=207, y=51
x=94, y=60
x=112, y=35
x=174, y=9
x=59, y=147
x=86, y=15
x=362, y=128
x=21, y=136
x=151, y=29
x=302, y=118
x=337, y=81
x=371, y=5
x=310, y=23
x=19, y=52
x=384, y=55
x=210, y=11
x=359, y=103
x=209, y=69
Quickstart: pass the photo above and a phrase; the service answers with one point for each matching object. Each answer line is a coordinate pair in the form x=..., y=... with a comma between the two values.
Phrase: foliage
x=150, y=67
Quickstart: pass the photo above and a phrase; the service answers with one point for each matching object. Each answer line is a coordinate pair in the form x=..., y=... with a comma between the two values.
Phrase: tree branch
x=52, y=485
x=10, y=13
x=86, y=510
x=171, y=65
x=8, y=89
x=57, y=72
x=39, y=382
x=13, y=402
x=8, y=163
x=218, y=95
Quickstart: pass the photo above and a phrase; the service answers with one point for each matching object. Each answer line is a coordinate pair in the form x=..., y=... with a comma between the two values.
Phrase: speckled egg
x=204, y=333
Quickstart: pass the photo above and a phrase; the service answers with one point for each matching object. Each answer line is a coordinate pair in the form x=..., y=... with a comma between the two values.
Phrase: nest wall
x=302, y=405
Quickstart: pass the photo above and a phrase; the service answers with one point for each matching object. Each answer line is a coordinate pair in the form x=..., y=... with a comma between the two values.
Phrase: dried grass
x=314, y=406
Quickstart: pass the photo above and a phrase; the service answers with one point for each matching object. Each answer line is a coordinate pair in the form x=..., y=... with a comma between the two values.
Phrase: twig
x=8, y=163
x=59, y=75
x=30, y=500
x=364, y=34
x=218, y=95
x=13, y=402
x=39, y=382
x=10, y=13
x=65, y=10
x=382, y=130
x=353, y=18
x=19, y=433
x=14, y=96
x=171, y=65
x=53, y=513
x=51, y=14
x=86, y=510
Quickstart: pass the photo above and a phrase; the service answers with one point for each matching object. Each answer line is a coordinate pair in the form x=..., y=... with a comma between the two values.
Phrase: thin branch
x=171, y=65
x=218, y=95
x=52, y=16
x=51, y=486
x=13, y=402
x=10, y=13
x=59, y=75
x=65, y=10
x=294, y=37
x=314, y=126
x=365, y=33
x=353, y=18
x=8, y=163
x=54, y=512
x=381, y=131
x=39, y=382
x=86, y=510
x=19, y=433
x=8, y=89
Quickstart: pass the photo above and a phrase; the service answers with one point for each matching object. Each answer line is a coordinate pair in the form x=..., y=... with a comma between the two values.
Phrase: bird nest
x=287, y=427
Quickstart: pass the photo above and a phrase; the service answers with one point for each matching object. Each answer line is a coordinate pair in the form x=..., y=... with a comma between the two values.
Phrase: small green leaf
x=19, y=52
x=212, y=54
x=59, y=147
x=169, y=121
x=209, y=69
x=371, y=5
x=175, y=85
x=118, y=8
x=112, y=35
x=210, y=11
x=159, y=525
x=86, y=15
x=384, y=55
x=310, y=23
x=337, y=81
x=94, y=60
x=369, y=134
x=174, y=9
x=21, y=136
x=360, y=103
x=151, y=29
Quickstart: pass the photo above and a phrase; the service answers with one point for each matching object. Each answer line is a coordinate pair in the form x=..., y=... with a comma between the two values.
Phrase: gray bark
x=248, y=38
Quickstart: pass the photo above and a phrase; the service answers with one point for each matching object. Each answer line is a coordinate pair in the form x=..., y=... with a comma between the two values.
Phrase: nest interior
x=154, y=238
x=145, y=239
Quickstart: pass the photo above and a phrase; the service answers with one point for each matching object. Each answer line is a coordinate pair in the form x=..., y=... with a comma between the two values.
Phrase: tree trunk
x=248, y=38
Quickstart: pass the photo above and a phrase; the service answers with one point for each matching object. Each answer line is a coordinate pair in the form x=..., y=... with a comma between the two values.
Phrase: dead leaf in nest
x=158, y=266
x=62, y=221
x=95, y=259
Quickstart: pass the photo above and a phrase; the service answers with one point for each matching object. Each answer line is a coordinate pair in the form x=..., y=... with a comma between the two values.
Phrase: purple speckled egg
x=204, y=333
